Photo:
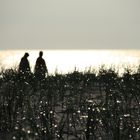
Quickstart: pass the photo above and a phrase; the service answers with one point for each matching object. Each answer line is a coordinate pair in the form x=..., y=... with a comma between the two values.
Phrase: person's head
x=26, y=54
x=40, y=53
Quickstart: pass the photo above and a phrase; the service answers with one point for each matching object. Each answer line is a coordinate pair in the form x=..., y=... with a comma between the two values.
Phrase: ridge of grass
x=83, y=105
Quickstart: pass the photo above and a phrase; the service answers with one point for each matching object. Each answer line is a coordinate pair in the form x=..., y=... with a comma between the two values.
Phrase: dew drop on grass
x=36, y=134
x=138, y=129
x=70, y=124
x=104, y=108
x=126, y=115
x=28, y=131
x=14, y=138
x=16, y=128
x=78, y=111
x=74, y=113
x=23, y=118
x=51, y=112
x=118, y=101
x=98, y=109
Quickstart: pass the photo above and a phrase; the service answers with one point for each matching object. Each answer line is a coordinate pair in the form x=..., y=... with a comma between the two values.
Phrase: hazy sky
x=73, y=24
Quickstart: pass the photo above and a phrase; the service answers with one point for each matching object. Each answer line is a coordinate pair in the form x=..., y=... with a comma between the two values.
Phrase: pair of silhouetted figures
x=40, y=67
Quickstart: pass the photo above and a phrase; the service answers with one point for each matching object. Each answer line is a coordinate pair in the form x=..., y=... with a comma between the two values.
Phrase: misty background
x=69, y=24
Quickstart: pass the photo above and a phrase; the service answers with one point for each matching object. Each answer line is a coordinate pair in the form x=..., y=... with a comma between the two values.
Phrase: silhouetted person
x=40, y=67
x=24, y=67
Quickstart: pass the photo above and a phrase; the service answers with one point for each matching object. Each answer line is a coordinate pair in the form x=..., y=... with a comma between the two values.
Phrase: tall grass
x=77, y=105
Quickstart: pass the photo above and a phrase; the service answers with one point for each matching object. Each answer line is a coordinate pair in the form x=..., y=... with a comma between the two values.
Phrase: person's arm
x=29, y=69
x=35, y=68
x=46, y=70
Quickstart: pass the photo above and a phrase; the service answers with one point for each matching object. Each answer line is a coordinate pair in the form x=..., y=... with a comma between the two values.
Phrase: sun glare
x=66, y=60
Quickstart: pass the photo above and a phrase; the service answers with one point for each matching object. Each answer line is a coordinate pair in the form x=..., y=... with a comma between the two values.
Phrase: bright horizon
x=66, y=60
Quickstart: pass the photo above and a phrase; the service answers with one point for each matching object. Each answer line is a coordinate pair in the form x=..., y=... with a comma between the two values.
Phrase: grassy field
x=73, y=106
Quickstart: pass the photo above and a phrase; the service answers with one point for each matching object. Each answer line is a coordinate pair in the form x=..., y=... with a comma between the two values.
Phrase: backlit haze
x=69, y=24
x=72, y=33
x=65, y=61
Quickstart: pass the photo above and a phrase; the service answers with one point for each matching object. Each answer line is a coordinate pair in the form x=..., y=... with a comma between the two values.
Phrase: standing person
x=40, y=67
x=24, y=66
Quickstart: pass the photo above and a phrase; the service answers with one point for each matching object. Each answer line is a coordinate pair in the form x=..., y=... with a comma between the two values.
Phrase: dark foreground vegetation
x=74, y=106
